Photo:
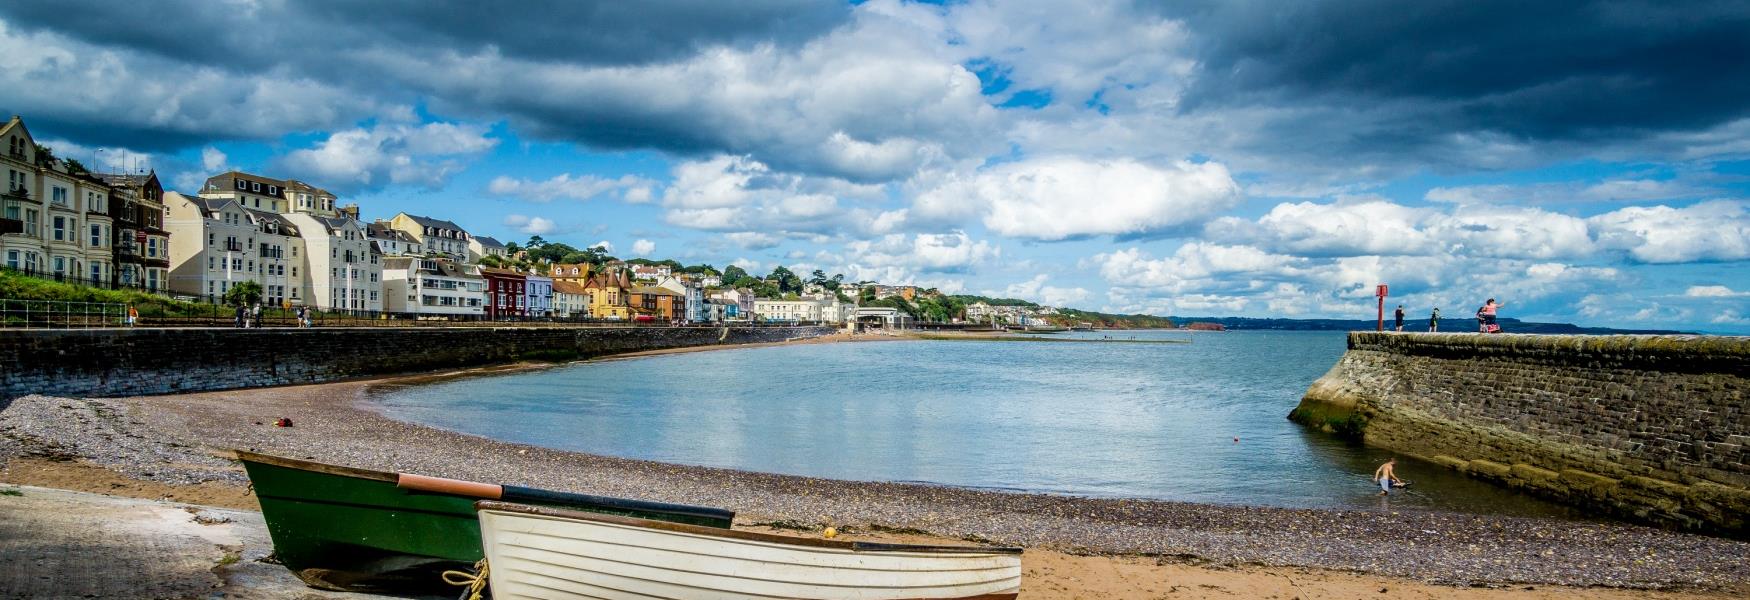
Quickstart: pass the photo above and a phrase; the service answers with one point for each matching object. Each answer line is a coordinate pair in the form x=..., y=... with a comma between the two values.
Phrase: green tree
x=45, y=156
x=246, y=293
x=75, y=167
x=733, y=274
x=786, y=280
x=535, y=241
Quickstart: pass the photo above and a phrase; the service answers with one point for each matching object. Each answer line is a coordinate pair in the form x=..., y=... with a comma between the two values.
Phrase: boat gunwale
x=752, y=536
x=305, y=465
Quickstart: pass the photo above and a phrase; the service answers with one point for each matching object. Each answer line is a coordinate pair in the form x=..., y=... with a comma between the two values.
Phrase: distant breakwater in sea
x=1649, y=428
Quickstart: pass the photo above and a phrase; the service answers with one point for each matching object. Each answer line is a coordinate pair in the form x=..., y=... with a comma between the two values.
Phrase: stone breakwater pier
x=133, y=362
x=1649, y=428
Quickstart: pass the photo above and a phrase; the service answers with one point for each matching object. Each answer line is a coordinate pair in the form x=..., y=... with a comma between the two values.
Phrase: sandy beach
x=176, y=448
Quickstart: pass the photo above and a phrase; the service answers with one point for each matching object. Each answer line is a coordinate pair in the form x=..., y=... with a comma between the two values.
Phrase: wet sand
x=176, y=446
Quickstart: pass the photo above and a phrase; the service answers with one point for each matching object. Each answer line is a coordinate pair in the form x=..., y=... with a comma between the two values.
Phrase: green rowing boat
x=341, y=528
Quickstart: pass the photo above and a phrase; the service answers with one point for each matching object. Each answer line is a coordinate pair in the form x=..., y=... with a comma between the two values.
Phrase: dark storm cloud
x=307, y=34
x=199, y=71
x=1535, y=71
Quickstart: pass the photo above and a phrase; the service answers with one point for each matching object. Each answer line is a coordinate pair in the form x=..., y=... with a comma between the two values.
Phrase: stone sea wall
x=128, y=362
x=1650, y=428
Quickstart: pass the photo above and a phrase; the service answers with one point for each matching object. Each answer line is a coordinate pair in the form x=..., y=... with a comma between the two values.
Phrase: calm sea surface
x=1098, y=419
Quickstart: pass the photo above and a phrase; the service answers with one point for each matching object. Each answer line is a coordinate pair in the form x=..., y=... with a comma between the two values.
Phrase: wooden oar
x=493, y=491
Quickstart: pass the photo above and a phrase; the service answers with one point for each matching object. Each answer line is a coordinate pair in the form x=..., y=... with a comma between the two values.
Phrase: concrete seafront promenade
x=1654, y=428
x=174, y=445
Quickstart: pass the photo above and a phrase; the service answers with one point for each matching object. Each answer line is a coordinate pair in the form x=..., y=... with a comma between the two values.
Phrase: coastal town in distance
x=883, y=300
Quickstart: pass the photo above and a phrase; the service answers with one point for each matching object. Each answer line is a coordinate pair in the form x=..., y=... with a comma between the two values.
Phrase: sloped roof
x=430, y=222
x=488, y=242
x=567, y=287
x=651, y=290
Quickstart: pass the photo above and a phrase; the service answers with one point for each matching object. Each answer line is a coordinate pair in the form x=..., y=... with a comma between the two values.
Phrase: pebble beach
x=183, y=442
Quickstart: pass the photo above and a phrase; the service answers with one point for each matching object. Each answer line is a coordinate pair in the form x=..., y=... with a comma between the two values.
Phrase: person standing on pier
x=1400, y=317
x=1486, y=315
x=1434, y=320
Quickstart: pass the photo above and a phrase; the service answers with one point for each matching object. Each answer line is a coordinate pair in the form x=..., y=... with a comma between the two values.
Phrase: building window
x=211, y=239
x=96, y=272
x=60, y=229
x=210, y=263
x=58, y=195
x=96, y=236
x=255, y=186
x=151, y=247
x=242, y=185
x=12, y=259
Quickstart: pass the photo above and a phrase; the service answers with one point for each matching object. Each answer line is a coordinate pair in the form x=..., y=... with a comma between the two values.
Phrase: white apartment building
x=216, y=244
x=343, y=269
x=651, y=272
x=431, y=286
x=786, y=310
x=570, y=300
x=392, y=241
x=434, y=235
x=304, y=198
x=482, y=246
x=248, y=191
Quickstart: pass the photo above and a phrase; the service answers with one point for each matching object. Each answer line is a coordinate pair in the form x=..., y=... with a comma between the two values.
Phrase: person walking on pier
x=1385, y=476
x=1400, y=317
x=1434, y=320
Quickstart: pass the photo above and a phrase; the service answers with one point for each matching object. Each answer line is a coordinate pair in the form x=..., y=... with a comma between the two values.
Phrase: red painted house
x=504, y=293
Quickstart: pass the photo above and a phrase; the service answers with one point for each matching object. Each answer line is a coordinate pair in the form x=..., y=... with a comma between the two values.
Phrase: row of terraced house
x=303, y=248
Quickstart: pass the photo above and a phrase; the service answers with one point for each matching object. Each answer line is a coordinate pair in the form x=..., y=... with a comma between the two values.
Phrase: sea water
x=1203, y=421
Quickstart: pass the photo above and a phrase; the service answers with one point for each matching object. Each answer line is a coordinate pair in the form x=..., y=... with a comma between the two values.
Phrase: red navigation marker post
x=1380, y=291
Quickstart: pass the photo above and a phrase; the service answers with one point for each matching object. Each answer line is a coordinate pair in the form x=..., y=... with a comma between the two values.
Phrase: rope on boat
x=476, y=581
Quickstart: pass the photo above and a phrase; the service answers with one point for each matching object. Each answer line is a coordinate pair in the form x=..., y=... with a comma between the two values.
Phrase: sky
x=1583, y=162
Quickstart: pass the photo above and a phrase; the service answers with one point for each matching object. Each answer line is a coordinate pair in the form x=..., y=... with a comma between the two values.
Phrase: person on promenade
x=240, y=311
x=1486, y=315
x=1400, y=317
x=1386, y=476
x=255, y=315
x=133, y=315
x=1434, y=320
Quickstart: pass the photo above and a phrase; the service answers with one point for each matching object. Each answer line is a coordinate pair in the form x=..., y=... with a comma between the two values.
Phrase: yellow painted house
x=608, y=295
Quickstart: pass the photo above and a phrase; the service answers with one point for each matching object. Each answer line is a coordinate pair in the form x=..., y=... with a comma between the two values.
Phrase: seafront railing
x=60, y=314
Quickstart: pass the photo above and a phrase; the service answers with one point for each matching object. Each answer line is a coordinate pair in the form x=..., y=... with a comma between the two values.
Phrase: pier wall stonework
x=1650, y=428
x=132, y=362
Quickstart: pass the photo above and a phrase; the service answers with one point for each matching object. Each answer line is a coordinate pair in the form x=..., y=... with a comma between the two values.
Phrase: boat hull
x=347, y=529
x=548, y=554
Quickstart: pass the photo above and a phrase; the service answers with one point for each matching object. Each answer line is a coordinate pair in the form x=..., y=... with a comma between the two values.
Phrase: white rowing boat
x=547, y=553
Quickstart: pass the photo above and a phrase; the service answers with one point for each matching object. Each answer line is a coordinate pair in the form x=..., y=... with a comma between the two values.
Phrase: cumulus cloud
x=1713, y=291
x=1035, y=289
x=1708, y=231
x=925, y=252
x=359, y=159
x=213, y=160
x=530, y=225
x=738, y=194
x=630, y=188
x=1065, y=197
x=643, y=247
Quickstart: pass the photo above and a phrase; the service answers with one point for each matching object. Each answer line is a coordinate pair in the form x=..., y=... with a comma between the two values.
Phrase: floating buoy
x=282, y=422
x=830, y=533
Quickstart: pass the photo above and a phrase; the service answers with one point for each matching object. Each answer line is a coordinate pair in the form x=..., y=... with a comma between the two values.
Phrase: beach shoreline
x=177, y=446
